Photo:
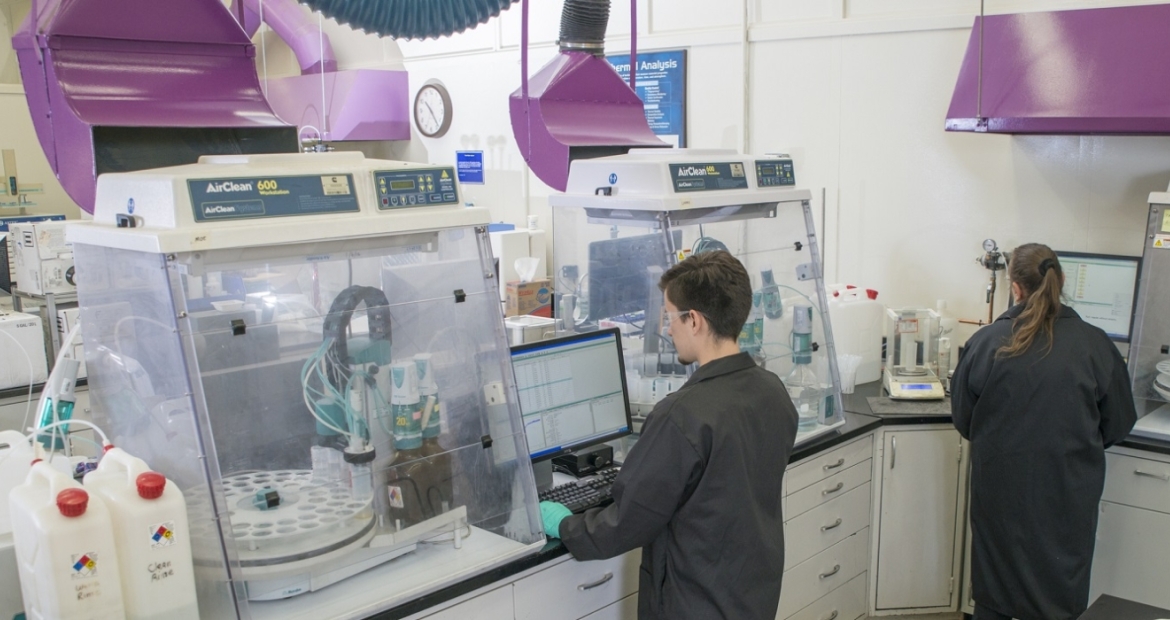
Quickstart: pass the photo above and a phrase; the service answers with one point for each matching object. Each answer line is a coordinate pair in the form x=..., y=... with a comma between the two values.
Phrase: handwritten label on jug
x=87, y=591
x=160, y=571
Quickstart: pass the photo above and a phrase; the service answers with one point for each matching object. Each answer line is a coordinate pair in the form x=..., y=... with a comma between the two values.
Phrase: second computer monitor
x=572, y=392
x=1102, y=289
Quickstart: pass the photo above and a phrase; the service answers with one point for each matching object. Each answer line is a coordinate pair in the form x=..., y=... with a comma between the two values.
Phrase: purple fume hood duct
x=355, y=104
x=121, y=85
x=577, y=106
x=1089, y=71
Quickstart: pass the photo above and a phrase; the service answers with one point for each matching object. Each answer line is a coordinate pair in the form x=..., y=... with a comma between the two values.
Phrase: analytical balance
x=311, y=347
x=911, y=355
x=626, y=219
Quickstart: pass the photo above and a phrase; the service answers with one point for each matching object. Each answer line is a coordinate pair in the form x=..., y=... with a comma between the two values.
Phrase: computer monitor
x=1102, y=288
x=572, y=392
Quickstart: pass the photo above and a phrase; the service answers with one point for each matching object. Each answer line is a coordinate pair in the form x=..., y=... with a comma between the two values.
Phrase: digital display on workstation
x=1102, y=289
x=572, y=392
x=399, y=185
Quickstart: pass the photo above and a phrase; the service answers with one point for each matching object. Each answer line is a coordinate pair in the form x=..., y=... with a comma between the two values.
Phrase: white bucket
x=857, y=330
x=65, y=551
x=153, y=540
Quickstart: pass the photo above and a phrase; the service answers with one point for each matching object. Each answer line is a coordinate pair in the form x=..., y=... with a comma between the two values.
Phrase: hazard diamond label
x=84, y=565
x=162, y=535
x=1162, y=242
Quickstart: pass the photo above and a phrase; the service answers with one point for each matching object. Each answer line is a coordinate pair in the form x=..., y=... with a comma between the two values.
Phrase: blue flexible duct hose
x=410, y=19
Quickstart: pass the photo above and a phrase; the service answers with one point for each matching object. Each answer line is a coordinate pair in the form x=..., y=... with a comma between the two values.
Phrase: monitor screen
x=1102, y=289
x=572, y=392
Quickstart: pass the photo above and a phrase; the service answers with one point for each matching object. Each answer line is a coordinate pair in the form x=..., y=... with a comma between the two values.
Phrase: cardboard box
x=533, y=298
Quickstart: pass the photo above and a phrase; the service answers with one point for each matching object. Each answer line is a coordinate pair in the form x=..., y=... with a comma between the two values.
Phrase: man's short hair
x=714, y=284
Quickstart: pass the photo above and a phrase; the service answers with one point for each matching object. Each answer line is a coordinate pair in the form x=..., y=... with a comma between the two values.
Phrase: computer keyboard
x=590, y=491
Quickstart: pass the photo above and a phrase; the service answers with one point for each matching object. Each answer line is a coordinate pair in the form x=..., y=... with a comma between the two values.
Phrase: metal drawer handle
x=836, y=524
x=840, y=462
x=894, y=452
x=832, y=616
x=840, y=485
x=836, y=569
x=599, y=582
x=1163, y=477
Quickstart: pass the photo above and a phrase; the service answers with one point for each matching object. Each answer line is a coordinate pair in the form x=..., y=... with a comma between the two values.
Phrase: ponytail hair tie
x=1046, y=265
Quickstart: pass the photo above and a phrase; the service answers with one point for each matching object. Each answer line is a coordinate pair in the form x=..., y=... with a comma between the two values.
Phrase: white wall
x=857, y=92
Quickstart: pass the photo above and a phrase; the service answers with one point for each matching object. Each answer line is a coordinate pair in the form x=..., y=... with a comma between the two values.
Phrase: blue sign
x=662, y=85
x=469, y=166
x=613, y=178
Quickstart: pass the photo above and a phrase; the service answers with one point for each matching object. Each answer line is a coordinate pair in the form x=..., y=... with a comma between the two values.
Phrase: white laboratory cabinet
x=1132, y=558
x=919, y=534
x=826, y=533
x=563, y=589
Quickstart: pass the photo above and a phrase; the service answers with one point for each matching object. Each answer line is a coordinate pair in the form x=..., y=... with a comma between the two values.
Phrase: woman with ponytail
x=1040, y=394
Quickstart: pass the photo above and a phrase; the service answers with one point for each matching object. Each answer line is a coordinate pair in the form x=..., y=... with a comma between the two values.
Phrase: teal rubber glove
x=552, y=513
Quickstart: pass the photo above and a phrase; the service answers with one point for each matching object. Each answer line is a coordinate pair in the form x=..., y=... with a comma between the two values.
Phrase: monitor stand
x=543, y=472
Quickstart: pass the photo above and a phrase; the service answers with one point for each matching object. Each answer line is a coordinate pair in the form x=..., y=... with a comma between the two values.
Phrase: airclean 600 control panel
x=414, y=187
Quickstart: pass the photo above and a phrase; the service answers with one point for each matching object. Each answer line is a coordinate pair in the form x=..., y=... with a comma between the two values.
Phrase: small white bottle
x=65, y=552
x=149, y=518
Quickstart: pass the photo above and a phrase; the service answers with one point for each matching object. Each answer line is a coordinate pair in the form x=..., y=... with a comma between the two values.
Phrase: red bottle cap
x=72, y=502
x=150, y=485
x=872, y=294
x=106, y=448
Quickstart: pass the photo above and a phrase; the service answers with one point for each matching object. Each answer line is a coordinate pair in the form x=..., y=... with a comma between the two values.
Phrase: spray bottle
x=802, y=384
x=405, y=483
x=440, y=459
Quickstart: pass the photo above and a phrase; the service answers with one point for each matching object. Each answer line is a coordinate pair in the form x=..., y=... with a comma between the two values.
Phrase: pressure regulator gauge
x=989, y=245
x=432, y=110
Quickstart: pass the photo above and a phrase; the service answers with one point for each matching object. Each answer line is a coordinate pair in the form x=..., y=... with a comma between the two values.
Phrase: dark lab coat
x=1038, y=425
x=700, y=493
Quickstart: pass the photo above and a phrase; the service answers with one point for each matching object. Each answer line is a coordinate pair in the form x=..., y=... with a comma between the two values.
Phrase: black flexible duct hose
x=583, y=25
x=410, y=19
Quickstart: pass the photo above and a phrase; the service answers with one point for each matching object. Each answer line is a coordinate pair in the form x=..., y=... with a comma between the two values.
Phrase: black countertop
x=858, y=402
x=1113, y=608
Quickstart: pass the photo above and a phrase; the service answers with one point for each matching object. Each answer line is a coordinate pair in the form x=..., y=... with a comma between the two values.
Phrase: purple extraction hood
x=352, y=104
x=577, y=107
x=117, y=85
x=1093, y=71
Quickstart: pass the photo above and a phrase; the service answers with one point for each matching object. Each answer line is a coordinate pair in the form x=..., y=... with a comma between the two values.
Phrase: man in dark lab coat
x=1039, y=419
x=700, y=491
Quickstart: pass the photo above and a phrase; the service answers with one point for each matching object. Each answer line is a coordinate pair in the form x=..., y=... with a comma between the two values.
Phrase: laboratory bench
x=897, y=473
x=856, y=426
x=1113, y=608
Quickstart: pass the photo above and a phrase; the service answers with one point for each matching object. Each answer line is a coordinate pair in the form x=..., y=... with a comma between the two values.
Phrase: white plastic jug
x=153, y=540
x=16, y=455
x=857, y=329
x=64, y=549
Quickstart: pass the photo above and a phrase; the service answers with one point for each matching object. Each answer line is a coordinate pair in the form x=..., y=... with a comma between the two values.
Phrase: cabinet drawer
x=823, y=573
x=1137, y=482
x=826, y=525
x=844, y=603
x=820, y=467
x=1132, y=557
x=575, y=589
x=828, y=489
x=625, y=609
x=494, y=605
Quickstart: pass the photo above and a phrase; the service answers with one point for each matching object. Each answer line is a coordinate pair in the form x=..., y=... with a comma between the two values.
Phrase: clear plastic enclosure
x=1149, y=350
x=608, y=263
x=339, y=415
